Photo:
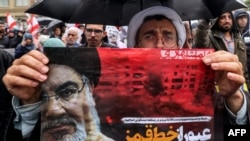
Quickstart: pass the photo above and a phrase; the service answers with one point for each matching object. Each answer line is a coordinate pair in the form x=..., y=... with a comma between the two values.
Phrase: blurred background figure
x=42, y=38
x=114, y=38
x=26, y=45
x=123, y=31
x=189, y=37
x=82, y=28
x=57, y=33
x=3, y=38
x=72, y=37
x=44, y=31
x=11, y=37
x=18, y=39
x=242, y=22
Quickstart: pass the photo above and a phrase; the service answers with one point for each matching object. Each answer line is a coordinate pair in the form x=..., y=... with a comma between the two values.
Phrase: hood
x=234, y=28
x=27, y=36
x=170, y=14
x=242, y=12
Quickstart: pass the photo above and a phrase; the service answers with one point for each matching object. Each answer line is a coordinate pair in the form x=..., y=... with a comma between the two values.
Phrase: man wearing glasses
x=95, y=33
x=68, y=108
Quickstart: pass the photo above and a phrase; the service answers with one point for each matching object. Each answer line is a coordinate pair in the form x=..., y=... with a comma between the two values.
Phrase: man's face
x=157, y=34
x=72, y=37
x=57, y=31
x=64, y=105
x=242, y=21
x=28, y=41
x=225, y=22
x=94, y=34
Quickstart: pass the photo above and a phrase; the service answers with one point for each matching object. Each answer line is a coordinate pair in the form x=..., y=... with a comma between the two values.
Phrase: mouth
x=60, y=129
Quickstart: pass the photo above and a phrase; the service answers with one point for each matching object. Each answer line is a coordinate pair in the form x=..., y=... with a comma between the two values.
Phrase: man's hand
x=228, y=76
x=25, y=75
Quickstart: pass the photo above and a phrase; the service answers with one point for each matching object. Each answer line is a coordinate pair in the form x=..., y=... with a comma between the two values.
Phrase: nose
x=159, y=42
x=53, y=108
x=92, y=33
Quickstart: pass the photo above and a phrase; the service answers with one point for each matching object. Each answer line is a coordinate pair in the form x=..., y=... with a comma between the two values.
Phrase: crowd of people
x=155, y=27
x=72, y=36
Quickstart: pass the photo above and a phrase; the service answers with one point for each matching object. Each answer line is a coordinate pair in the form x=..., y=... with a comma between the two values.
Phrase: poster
x=134, y=94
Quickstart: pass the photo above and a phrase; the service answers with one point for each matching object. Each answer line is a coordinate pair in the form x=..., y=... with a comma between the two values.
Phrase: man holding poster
x=227, y=67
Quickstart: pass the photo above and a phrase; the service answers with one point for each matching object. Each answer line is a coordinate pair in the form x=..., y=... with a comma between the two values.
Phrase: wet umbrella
x=119, y=12
x=58, y=9
x=54, y=23
x=44, y=20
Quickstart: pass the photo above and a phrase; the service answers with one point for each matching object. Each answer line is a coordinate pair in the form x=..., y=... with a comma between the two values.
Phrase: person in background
x=242, y=22
x=41, y=40
x=123, y=31
x=113, y=36
x=72, y=37
x=222, y=34
x=44, y=31
x=95, y=33
x=83, y=37
x=189, y=37
x=18, y=39
x=12, y=36
x=4, y=41
x=57, y=33
x=81, y=27
x=162, y=27
x=25, y=46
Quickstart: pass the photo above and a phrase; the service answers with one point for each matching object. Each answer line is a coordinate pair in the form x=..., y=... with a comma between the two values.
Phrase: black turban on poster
x=86, y=61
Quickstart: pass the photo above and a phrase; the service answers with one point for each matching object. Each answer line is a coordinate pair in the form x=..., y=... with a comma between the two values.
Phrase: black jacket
x=6, y=60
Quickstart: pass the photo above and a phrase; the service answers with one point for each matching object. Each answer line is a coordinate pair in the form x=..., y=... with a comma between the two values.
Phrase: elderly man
x=72, y=37
x=68, y=107
x=157, y=27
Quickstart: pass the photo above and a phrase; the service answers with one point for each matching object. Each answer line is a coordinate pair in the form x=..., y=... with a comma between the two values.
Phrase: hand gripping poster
x=104, y=94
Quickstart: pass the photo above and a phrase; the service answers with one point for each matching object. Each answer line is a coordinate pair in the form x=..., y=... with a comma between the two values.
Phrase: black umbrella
x=44, y=20
x=119, y=12
x=58, y=9
x=54, y=23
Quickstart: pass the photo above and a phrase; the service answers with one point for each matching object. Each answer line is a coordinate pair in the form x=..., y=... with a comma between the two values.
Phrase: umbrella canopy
x=54, y=23
x=44, y=20
x=58, y=9
x=119, y=12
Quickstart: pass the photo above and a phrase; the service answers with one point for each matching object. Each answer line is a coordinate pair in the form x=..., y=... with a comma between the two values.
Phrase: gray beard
x=79, y=135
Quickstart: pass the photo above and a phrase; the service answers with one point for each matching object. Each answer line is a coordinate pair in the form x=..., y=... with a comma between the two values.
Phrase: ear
x=104, y=34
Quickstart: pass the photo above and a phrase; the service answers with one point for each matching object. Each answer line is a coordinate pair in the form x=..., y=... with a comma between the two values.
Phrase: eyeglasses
x=64, y=95
x=168, y=39
x=96, y=31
